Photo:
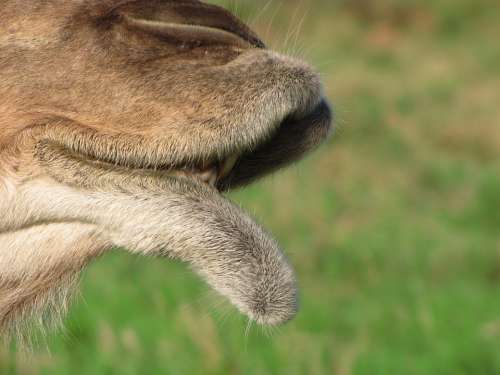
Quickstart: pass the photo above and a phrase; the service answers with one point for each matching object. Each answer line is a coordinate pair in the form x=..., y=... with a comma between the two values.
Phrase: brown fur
x=106, y=107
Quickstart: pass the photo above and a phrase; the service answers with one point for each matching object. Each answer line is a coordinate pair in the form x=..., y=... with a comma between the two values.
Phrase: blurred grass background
x=393, y=226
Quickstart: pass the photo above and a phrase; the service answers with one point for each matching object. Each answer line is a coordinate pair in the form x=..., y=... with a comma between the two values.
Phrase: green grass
x=393, y=226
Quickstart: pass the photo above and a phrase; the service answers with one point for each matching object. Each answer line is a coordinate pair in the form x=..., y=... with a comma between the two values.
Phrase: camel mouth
x=295, y=135
x=288, y=140
x=251, y=269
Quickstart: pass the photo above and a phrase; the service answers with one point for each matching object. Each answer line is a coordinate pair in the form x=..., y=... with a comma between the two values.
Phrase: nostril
x=206, y=20
x=185, y=34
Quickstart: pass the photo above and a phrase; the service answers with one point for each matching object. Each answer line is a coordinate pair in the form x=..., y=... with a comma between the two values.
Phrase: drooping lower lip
x=221, y=242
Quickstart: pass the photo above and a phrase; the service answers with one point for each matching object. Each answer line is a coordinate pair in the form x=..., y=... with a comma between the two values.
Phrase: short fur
x=104, y=105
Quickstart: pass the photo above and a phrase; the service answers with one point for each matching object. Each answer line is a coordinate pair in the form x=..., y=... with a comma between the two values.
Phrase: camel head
x=122, y=124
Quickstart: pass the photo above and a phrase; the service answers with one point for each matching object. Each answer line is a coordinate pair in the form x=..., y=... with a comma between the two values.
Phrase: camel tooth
x=228, y=165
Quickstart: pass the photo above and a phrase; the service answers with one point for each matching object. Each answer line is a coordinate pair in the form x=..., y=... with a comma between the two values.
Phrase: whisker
x=273, y=17
x=290, y=27
x=300, y=27
x=247, y=332
x=260, y=13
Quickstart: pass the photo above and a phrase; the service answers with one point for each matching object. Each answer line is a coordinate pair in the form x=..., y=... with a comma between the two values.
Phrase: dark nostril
x=192, y=14
x=194, y=35
x=216, y=17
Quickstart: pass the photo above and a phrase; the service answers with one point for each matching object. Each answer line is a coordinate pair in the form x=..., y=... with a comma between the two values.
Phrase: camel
x=122, y=124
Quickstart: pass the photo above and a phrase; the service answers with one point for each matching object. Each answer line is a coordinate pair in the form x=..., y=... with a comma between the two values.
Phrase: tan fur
x=107, y=109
